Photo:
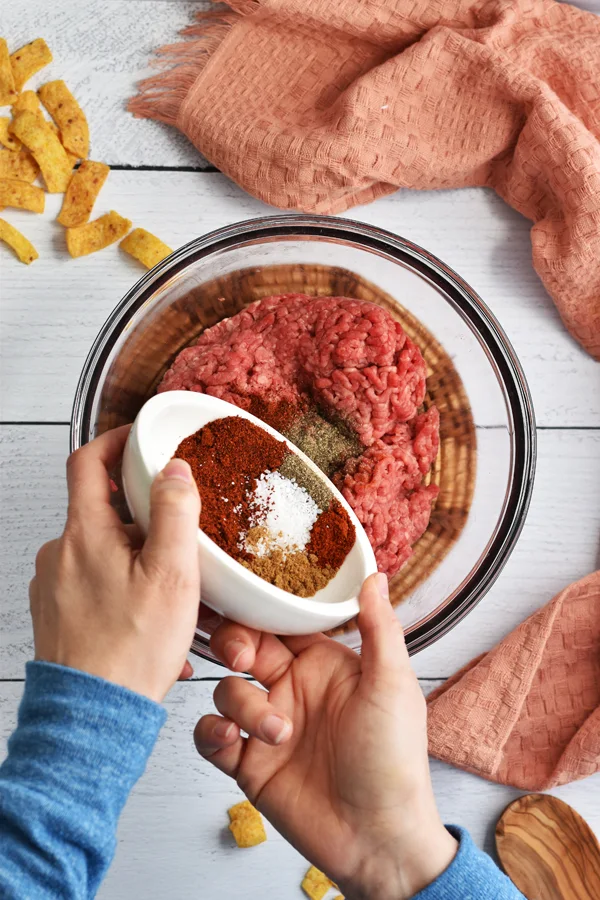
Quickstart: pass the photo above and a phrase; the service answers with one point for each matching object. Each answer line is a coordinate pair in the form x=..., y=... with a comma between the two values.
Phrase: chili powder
x=226, y=457
x=332, y=537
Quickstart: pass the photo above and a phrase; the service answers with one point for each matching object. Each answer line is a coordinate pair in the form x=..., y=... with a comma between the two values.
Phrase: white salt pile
x=285, y=510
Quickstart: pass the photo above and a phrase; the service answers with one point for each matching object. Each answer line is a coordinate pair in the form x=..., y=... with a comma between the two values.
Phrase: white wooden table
x=172, y=839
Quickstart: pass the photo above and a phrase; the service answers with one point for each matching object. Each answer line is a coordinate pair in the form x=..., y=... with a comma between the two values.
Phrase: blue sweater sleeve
x=80, y=745
x=472, y=875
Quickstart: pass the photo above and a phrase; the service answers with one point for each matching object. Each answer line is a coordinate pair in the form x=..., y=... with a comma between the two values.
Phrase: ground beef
x=383, y=487
x=353, y=362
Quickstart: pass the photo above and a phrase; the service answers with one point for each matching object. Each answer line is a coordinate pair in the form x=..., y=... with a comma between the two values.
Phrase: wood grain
x=171, y=839
x=33, y=502
x=102, y=48
x=52, y=310
x=548, y=850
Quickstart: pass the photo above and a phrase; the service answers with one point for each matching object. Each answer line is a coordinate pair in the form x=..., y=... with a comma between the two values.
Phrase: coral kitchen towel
x=528, y=712
x=318, y=105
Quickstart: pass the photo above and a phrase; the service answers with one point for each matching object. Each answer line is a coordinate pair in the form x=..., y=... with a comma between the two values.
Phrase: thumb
x=174, y=517
x=383, y=648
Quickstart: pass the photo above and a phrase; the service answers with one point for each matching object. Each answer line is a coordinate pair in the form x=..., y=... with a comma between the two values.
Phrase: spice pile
x=264, y=507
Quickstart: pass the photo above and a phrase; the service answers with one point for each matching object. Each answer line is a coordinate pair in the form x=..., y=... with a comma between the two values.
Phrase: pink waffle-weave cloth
x=318, y=105
x=528, y=712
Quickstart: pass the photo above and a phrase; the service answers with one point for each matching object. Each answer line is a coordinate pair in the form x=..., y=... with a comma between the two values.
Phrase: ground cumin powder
x=298, y=572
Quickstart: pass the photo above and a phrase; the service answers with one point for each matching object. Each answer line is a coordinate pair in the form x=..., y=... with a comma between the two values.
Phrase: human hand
x=108, y=603
x=336, y=753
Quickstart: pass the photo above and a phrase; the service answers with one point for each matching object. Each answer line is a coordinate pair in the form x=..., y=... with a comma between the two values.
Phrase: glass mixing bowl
x=486, y=462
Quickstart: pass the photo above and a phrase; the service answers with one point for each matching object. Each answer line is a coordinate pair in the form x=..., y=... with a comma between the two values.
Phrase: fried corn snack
x=28, y=101
x=68, y=115
x=315, y=884
x=96, y=235
x=246, y=825
x=21, y=195
x=19, y=243
x=6, y=138
x=21, y=165
x=49, y=153
x=243, y=810
x=72, y=157
x=84, y=187
x=7, y=82
x=28, y=60
x=145, y=247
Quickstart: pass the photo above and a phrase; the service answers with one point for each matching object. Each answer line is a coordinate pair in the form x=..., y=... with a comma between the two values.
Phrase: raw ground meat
x=352, y=361
x=383, y=487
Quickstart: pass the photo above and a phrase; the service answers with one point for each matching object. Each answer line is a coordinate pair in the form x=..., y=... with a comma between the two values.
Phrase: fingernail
x=223, y=729
x=237, y=655
x=177, y=468
x=209, y=626
x=383, y=586
x=275, y=729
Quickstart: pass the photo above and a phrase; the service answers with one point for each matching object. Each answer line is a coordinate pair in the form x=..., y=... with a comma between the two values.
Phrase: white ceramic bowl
x=227, y=587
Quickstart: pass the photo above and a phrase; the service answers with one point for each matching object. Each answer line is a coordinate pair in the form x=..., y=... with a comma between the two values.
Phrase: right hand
x=336, y=756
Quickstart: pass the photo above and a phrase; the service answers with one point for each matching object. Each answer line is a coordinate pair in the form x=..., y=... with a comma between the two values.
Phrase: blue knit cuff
x=472, y=875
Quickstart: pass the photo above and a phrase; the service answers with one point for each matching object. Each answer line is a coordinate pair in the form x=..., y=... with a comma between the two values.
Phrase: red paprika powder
x=279, y=414
x=226, y=457
x=332, y=536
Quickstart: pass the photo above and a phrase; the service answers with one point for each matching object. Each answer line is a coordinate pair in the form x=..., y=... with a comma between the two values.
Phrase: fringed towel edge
x=160, y=96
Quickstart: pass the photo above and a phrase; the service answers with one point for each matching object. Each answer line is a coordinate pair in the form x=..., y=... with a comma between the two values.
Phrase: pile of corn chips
x=246, y=825
x=37, y=146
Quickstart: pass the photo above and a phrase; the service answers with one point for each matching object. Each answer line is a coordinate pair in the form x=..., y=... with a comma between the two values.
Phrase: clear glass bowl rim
x=466, y=303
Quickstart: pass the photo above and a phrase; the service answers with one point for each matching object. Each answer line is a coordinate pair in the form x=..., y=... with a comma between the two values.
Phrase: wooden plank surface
x=102, y=48
x=559, y=542
x=173, y=838
x=52, y=310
